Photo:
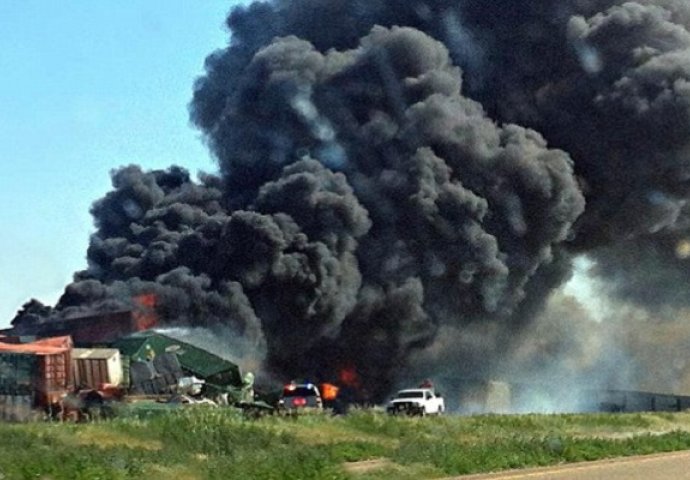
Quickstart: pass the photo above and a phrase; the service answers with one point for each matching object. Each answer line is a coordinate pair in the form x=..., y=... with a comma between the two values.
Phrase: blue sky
x=87, y=86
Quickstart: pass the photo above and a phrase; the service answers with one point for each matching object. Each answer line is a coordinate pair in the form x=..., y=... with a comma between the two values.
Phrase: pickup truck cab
x=416, y=401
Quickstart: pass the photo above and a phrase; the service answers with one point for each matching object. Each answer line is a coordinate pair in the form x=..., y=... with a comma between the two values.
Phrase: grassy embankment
x=201, y=443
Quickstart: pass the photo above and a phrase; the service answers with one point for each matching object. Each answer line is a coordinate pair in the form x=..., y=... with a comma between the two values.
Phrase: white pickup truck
x=416, y=401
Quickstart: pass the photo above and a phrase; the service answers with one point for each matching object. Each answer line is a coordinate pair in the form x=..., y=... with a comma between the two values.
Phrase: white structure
x=93, y=367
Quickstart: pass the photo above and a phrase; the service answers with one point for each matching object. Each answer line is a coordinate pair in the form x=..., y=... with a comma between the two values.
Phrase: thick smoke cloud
x=604, y=80
x=404, y=178
x=618, y=103
x=364, y=204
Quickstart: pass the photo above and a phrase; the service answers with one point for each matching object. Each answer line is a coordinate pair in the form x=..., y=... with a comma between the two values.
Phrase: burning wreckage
x=404, y=188
x=114, y=363
x=121, y=358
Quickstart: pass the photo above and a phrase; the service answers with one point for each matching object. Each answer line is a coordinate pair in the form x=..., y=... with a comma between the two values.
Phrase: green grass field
x=208, y=443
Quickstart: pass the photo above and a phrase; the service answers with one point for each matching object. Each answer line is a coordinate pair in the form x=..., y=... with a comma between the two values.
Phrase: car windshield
x=299, y=392
x=410, y=395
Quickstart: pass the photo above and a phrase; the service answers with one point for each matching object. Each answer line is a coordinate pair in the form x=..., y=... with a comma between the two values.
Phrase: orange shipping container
x=54, y=379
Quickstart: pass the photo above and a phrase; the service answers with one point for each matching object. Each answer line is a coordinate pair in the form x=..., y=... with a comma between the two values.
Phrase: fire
x=146, y=300
x=329, y=391
x=145, y=314
x=348, y=377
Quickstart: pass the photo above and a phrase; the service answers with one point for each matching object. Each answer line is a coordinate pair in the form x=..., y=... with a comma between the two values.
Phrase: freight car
x=33, y=375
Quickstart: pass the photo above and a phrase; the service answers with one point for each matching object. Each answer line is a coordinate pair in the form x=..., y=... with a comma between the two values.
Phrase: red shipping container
x=52, y=378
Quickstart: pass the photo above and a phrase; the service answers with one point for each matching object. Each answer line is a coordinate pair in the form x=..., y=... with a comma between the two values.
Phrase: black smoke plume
x=397, y=173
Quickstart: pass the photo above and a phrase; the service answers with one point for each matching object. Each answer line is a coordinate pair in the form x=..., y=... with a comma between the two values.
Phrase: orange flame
x=329, y=391
x=144, y=314
x=146, y=300
x=348, y=377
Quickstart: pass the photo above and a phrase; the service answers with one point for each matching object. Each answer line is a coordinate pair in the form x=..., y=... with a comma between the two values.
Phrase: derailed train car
x=33, y=376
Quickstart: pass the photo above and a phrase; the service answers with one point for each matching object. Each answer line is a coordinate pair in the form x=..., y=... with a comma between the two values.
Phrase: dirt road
x=669, y=466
